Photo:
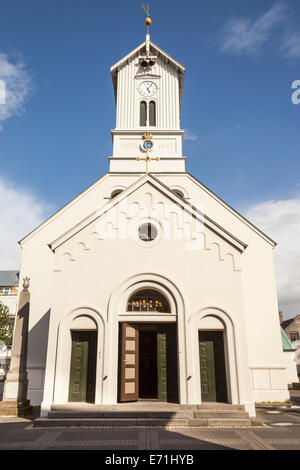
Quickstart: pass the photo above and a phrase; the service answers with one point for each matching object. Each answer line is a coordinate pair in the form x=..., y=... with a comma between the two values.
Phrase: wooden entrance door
x=83, y=366
x=129, y=362
x=167, y=363
x=148, y=364
x=148, y=367
x=212, y=366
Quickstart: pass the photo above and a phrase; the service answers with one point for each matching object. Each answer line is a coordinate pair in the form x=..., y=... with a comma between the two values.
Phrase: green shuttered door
x=78, y=375
x=83, y=366
x=167, y=363
x=212, y=366
x=207, y=371
x=162, y=379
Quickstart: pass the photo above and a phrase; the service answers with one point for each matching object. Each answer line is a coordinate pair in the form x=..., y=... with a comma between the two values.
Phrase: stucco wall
x=203, y=278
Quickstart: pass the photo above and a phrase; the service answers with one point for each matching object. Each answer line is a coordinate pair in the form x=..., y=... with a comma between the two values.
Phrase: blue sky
x=242, y=127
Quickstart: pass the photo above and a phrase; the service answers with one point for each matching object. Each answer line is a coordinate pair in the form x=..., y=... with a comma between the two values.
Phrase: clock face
x=147, y=89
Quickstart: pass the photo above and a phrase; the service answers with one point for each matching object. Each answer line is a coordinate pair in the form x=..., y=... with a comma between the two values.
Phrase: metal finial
x=146, y=8
x=148, y=20
x=26, y=283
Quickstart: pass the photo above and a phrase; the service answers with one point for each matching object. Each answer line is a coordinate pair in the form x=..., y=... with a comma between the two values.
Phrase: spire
x=148, y=22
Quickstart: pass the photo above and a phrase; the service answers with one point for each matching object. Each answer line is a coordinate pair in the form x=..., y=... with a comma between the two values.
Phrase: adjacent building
x=9, y=282
x=292, y=330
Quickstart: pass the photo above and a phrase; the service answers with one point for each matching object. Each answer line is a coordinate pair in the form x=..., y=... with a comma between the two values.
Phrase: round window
x=148, y=232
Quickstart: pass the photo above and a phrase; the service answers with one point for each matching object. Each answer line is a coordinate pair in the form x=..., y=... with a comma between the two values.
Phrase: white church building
x=148, y=286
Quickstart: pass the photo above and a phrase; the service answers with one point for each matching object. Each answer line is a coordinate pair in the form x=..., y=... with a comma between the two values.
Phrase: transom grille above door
x=148, y=301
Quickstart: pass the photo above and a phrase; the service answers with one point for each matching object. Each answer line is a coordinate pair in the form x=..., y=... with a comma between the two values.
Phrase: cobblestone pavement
x=282, y=431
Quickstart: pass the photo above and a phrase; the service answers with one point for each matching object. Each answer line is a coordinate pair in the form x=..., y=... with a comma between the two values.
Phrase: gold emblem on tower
x=147, y=136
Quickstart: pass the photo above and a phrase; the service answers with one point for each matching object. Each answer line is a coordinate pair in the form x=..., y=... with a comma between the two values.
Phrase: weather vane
x=148, y=20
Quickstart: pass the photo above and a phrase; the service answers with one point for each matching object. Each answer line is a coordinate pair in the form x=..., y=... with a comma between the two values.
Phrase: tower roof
x=141, y=50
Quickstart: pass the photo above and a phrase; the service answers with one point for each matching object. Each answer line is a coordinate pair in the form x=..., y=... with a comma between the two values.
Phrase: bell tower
x=148, y=87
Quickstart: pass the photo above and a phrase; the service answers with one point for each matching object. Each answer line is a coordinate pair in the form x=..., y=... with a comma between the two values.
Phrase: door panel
x=79, y=366
x=167, y=363
x=212, y=366
x=92, y=366
x=162, y=379
x=207, y=371
x=129, y=362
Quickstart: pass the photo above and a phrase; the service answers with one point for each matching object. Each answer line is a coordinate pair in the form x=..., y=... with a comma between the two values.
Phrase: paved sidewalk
x=18, y=433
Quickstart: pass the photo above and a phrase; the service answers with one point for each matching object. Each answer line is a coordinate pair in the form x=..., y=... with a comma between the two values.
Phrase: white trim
x=147, y=317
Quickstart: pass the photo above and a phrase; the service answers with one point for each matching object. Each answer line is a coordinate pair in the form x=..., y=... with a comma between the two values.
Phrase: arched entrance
x=214, y=357
x=79, y=363
x=148, y=368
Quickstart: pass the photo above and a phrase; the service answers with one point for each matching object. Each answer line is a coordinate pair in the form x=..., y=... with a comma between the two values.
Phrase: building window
x=178, y=193
x=147, y=113
x=152, y=113
x=148, y=301
x=8, y=290
x=143, y=113
x=115, y=193
x=294, y=336
x=148, y=232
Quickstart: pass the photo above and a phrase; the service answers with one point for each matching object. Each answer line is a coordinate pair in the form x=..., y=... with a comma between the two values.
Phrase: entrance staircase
x=142, y=414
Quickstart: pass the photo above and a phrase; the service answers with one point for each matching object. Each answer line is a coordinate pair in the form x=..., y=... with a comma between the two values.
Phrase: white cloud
x=291, y=46
x=281, y=220
x=188, y=135
x=20, y=212
x=18, y=86
x=243, y=35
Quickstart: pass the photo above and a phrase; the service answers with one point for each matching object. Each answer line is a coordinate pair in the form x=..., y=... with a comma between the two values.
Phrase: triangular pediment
x=141, y=49
x=148, y=198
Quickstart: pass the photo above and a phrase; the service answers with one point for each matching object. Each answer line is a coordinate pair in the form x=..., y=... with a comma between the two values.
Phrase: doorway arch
x=117, y=313
x=79, y=319
x=212, y=319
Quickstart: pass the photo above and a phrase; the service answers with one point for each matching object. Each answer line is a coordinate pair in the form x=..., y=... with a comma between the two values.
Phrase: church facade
x=148, y=286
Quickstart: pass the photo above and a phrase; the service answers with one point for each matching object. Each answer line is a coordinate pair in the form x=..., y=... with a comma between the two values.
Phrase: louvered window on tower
x=152, y=113
x=143, y=113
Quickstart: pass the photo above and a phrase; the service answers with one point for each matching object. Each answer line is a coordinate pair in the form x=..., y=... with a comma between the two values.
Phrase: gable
x=148, y=199
x=190, y=186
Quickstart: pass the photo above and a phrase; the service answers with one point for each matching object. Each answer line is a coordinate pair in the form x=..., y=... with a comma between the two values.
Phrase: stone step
x=145, y=414
x=228, y=422
x=137, y=414
x=135, y=406
x=242, y=414
x=138, y=422
x=108, y=422
x=219, y=406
